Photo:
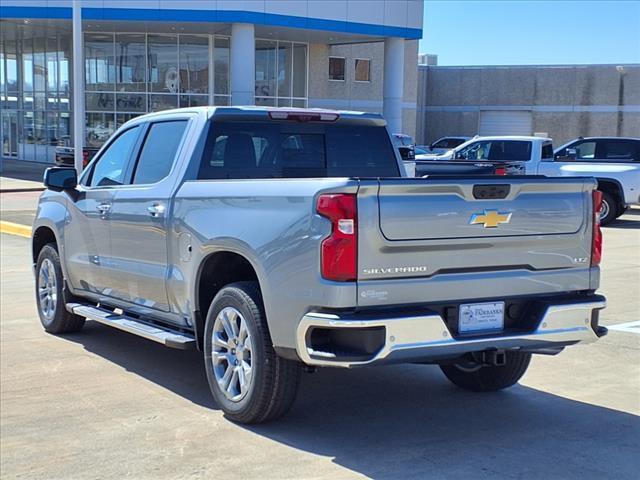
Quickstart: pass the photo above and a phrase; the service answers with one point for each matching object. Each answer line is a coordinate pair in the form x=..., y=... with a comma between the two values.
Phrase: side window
x=159, y=151
x=454, y=142
x=510, y=150
x=336, y=68
x=111, y=167
x=547, y=150
x=585, y=151
x=475, y=151
x=616, y=150
x=441, y=143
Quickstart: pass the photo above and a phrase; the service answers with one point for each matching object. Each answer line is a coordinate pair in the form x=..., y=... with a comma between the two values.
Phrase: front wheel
x=250, y=383
x=49, y=294
x=491, y=377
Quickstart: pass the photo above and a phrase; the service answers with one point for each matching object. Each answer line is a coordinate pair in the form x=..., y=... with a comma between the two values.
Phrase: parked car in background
x=64, y=156
x=405, y=145
x=274, y=240
x=443, y=145
x=614, y=162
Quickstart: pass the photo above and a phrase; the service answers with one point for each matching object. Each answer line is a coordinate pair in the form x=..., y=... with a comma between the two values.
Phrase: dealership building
x=150, y=55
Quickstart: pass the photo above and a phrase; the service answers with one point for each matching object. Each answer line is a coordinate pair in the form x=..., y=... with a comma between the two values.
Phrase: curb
x=15, y=229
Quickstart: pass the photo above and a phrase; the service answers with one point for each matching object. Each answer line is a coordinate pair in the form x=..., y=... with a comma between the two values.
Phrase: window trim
x=355, y=61
x=344, y=72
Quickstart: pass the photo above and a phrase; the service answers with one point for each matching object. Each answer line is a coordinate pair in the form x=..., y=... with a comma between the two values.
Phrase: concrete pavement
x=105, y=404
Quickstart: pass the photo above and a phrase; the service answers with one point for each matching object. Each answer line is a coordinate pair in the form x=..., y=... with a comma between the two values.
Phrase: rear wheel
x=250, y=383
x=480, y=378
x=49, y=294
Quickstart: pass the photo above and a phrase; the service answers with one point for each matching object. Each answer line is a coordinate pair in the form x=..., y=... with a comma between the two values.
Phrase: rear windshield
x=292, y=150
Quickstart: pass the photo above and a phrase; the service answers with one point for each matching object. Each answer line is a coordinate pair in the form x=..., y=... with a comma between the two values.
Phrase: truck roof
x=514, y=137
x=259, y=112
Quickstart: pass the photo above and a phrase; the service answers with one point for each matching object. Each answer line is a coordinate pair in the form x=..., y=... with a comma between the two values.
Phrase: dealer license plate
x=481, y=317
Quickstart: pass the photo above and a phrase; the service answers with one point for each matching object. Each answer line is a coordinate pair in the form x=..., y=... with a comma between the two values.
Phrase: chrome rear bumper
x=427, y=336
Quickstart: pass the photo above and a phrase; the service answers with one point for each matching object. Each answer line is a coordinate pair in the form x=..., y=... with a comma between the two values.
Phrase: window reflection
x=163, y=63
x=194, y=64
x=130, y=63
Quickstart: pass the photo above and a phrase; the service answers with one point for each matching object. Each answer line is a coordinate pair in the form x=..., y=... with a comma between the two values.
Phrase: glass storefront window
x=285, y=62
x=194, y=100
x=162, y=102
x=99, y=127
x=131, y=102
x=131, y=64
x=281, y=73
x=163, y=63
x=99, y=61
x=299, y=70
x=194, y=64
x=122, y=118
x=27, y=66
x=221, y=65
x=266, y=68
x=52, y=66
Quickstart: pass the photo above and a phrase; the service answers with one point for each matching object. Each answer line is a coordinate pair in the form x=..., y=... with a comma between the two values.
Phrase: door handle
x=103, y=208
x=156, y=210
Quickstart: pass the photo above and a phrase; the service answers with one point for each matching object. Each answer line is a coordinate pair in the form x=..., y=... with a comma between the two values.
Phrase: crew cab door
x=87, y=230
x=139, y=218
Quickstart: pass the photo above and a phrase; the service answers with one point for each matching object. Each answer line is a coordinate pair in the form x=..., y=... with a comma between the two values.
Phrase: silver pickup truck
x=276, y=241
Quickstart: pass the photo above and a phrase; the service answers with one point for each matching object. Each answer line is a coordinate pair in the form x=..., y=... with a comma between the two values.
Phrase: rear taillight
x=85, y=158
x=500, y=171
x=339, y=251
x=596, y=239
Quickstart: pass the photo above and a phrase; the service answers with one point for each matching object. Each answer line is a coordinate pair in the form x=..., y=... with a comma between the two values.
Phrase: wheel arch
x=216, y=270
x=42, y=236
x=613, y=187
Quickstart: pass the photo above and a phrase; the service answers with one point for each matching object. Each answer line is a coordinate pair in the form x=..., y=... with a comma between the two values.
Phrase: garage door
x=502, y=122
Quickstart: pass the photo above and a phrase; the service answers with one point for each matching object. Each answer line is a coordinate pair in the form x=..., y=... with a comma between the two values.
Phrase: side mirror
x=407, y=153
x=59, y=179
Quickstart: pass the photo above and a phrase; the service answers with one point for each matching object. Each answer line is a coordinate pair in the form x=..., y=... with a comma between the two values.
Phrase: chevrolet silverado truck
x=614, y=162
x=278, y=240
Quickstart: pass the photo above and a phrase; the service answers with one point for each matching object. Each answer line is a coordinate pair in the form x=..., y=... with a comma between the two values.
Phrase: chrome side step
x=167, y=337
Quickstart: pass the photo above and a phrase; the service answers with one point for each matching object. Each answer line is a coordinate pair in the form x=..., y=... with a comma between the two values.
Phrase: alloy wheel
x=231, y=354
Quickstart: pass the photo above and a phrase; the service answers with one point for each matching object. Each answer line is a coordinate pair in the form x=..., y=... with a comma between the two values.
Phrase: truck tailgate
x=428, y=240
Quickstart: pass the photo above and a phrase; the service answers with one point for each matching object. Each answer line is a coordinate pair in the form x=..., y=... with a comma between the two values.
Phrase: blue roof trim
x=212, y=16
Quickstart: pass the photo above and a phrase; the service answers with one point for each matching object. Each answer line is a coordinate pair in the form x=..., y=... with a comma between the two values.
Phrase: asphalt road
x=105, y=404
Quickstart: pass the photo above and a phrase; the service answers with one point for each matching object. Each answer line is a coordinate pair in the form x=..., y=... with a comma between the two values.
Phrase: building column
x=243, y=64
x=78, y=87
x=393, y=83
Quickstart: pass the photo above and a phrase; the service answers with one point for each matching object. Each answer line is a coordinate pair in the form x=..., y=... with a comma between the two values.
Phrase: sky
x=531, y=32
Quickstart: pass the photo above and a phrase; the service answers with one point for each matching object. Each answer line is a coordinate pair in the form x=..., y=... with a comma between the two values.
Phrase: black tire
x=274, y=380
x=489, y=378
x=55, y=319
x=610, y=206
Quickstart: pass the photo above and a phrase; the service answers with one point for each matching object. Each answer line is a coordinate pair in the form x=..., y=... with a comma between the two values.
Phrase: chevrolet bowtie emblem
x=490, y=218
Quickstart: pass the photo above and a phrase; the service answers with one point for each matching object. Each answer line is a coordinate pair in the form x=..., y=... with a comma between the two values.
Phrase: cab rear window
x=289, y=150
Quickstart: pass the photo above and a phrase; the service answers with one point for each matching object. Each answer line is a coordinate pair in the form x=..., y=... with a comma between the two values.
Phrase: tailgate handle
x=491, y=192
